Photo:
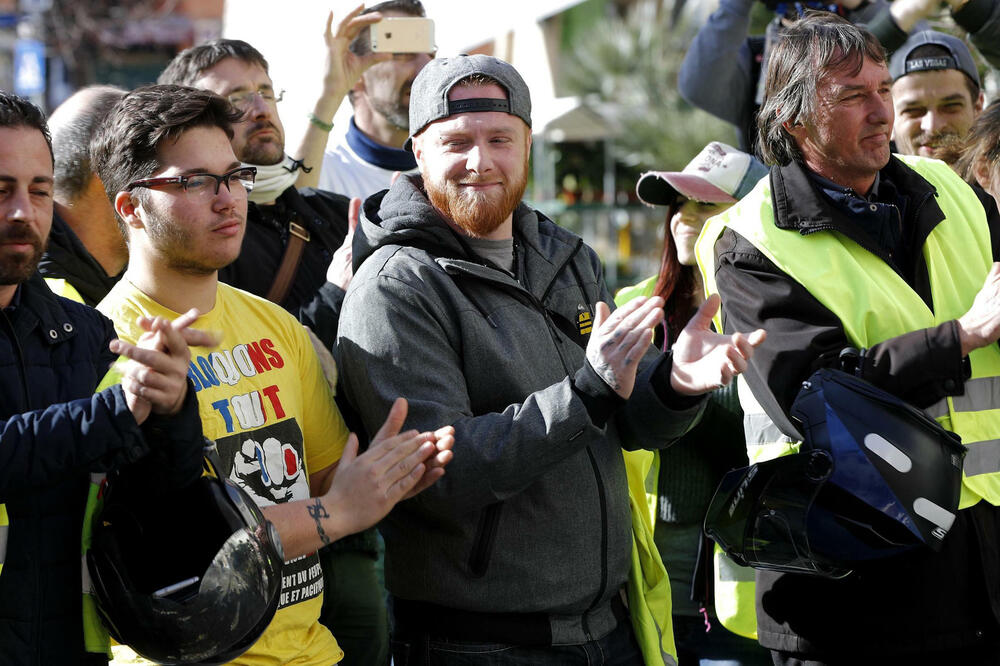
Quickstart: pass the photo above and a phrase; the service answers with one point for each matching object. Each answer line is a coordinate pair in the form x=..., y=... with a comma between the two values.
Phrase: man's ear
x=418, y=151
x=359, y=85
x=128, y=210
x=795, y=128
x=979, y=103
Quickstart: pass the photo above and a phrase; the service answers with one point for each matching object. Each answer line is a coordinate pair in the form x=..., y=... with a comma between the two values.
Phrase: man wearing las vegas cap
x=475, y=306
x=936, y=95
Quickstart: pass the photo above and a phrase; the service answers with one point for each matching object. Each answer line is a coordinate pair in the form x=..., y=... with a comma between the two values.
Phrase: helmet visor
x=760, y=514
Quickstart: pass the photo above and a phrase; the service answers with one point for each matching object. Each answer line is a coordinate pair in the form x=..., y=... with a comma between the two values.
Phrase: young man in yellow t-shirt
x=262, y=394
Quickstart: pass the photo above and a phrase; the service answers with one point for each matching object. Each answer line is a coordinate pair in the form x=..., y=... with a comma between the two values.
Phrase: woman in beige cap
x=689, y=471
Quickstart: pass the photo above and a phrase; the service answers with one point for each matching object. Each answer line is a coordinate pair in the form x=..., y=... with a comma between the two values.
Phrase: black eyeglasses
x=205, y=185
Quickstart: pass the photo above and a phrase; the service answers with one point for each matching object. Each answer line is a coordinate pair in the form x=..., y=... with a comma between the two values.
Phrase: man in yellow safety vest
x=881, y=265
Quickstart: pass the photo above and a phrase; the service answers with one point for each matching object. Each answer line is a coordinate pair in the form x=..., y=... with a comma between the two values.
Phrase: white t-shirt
x=357, y=167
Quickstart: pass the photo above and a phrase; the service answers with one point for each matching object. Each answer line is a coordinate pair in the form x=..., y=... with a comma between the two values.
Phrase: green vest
x=873, y=303
x=648, y=578
x=648, y=585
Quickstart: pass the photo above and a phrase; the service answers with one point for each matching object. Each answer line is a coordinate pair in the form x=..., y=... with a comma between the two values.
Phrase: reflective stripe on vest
x=735, y=588
x=874, y=304
x=764, y=440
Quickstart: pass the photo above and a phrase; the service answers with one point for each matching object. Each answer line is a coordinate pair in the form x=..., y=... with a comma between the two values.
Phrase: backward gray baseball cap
x=960, y=57
x=429, y=92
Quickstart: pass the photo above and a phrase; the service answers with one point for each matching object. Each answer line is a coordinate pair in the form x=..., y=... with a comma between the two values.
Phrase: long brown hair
x=676, y=282
x=982, y=143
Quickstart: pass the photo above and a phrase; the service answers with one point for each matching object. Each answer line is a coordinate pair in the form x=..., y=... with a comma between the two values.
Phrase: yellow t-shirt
x=264, y=400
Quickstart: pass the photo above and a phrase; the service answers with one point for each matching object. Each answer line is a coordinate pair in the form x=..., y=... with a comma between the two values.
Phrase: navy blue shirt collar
x=880, y=214
x=392, y=159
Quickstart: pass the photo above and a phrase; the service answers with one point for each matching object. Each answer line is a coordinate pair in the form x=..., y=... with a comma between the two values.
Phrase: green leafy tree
x=626, y=66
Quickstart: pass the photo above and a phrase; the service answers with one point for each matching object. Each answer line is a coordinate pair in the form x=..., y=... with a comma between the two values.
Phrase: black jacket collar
x=799, y=205
x=66, y=257
x=40, y=308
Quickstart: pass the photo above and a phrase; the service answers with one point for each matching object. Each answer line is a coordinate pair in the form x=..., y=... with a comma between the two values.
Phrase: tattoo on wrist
x=318, y=512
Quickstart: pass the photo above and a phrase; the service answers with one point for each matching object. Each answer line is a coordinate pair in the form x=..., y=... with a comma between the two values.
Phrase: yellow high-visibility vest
x=734, y=584
x=873, y=303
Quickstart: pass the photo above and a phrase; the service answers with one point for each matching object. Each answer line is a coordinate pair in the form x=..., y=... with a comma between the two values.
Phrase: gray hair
x=808, y=49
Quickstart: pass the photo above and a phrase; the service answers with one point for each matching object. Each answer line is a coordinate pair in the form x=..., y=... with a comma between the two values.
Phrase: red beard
x=477, y=213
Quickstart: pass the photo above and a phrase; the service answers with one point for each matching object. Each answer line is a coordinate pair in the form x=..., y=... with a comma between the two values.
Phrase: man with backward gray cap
x=482, y=311
x=936, y=94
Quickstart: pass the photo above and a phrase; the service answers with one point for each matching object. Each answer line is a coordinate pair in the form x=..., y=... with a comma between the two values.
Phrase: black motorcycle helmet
x=193, y=577
x=874, y=477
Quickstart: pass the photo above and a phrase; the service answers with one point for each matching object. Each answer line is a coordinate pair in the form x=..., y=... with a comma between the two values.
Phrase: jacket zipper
x=601, y=496
x=604, y=544
x=829, y=227
x=876, y=251
x=20, y=361
x=482, y=549
x=599, y=480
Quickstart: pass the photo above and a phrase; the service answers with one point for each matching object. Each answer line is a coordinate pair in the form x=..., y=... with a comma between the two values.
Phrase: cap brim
x=660, y=188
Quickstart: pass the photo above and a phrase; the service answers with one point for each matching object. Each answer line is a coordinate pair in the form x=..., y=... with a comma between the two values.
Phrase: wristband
x=326, y=127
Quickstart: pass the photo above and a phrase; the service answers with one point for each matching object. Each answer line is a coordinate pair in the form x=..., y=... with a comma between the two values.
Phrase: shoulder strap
x=298, y=236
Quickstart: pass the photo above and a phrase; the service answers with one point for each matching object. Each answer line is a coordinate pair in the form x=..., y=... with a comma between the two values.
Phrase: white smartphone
x=403, y=34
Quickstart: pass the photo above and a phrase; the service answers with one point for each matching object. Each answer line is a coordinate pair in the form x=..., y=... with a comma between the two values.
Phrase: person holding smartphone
x=366, y=157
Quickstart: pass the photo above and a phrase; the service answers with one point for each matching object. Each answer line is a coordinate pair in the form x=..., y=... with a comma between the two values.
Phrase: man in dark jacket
x=483, y=312
x=54, y=429
x=837, y=255
x=86, y=253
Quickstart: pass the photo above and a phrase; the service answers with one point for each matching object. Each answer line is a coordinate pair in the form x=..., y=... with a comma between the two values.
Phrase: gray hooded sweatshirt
x=532, y=515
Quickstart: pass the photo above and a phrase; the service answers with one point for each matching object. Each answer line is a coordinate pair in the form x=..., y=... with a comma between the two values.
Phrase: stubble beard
x=479, y=214
x=394, y=110
x=263, y=152
x=19, y=268
x=177, y=247
x=396, y=113
x=948, y=145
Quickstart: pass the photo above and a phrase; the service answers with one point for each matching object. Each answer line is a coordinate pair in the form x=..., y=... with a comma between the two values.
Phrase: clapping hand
x=341, y=268
x=619, y=339
x=704, y=360
x=155, y=377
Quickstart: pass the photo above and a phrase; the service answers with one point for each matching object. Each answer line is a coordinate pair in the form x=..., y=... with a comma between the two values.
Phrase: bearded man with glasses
x=297, y=247
x=180, y=194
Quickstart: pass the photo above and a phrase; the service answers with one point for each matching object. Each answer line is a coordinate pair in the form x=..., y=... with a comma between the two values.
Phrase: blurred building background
x=602, y=75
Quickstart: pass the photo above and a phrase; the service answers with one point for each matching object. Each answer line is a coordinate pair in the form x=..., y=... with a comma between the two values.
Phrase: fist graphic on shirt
x=271, y=471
